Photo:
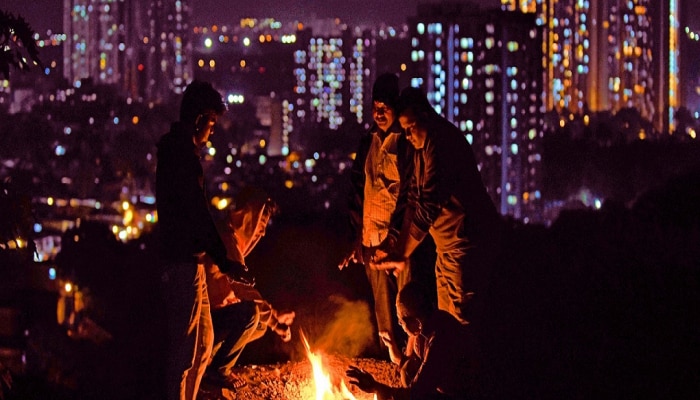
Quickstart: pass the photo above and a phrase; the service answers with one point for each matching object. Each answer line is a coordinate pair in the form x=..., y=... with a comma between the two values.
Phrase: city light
x=235, y=98
x=223, y=203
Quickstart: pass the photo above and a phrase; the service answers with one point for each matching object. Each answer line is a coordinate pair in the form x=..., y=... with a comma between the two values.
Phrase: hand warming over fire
x=363, y=380
x=356, y=256
x=388, y=262
x=281, y=327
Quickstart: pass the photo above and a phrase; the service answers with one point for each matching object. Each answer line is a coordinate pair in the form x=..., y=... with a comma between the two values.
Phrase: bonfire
x=319, y=377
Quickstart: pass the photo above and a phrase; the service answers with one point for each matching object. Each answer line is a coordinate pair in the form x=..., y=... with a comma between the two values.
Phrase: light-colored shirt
x=381, y=188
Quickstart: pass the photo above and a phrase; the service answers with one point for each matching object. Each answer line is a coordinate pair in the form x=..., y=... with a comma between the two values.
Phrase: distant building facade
x=690, y=73
x=332, y=71
x=611, y=54
x=482, y=70
x=143, y=48
x=168, y=48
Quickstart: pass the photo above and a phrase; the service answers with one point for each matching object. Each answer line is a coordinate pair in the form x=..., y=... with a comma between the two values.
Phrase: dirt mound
x=294, y=380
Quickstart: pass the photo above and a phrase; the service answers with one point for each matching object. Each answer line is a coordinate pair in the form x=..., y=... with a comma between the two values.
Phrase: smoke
x=349, y=330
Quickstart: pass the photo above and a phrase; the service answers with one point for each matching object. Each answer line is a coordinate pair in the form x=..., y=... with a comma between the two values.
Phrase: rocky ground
x=294, y=380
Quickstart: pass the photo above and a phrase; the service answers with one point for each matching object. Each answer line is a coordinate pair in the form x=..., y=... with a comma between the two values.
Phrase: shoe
x=235, y=382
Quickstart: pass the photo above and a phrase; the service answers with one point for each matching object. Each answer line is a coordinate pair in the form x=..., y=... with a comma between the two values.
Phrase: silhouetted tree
x=17, y=45
x=16, y=228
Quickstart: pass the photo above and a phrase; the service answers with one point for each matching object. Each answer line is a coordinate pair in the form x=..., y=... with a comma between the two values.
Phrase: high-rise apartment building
x=95, y=40
x=690, y=70
x=630, y=57
x=330, y=69
x=142, y=48
x=611, y=55
x=482, y=70
x=332, y=72
x=168, y=66
x=666, y=40
x=567, y=47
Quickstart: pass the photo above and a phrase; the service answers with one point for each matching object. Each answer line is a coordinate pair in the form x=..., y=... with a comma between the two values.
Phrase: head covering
x=250, y=206
x=386, y=89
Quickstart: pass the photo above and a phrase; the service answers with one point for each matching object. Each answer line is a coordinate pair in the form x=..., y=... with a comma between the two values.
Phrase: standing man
x=187, y=232
x=449, y=201
x=382, y=164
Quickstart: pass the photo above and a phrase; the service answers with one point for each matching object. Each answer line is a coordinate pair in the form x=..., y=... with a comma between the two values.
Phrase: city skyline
x=493, y=73
x=48, y=14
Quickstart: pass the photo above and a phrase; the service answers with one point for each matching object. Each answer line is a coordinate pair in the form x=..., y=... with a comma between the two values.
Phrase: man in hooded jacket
x=240, y=314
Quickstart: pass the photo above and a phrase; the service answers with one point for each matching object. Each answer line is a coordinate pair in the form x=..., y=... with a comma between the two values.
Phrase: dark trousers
x=235, y=325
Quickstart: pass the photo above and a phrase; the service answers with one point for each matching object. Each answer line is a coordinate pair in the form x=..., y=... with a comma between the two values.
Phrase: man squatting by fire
x=442, y=364
x=239, y=312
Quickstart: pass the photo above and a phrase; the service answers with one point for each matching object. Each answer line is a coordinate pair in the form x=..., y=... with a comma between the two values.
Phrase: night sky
x=47, y=14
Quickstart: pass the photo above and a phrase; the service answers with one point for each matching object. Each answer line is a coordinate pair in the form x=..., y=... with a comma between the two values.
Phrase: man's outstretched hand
x=237, y=272
x=363, y=380
x=284, y=320
x=390, y=262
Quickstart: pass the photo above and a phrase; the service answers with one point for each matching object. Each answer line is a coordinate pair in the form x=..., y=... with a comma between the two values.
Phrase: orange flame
x=325, y=390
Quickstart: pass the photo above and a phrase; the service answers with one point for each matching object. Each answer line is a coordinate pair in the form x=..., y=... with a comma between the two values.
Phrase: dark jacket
x=186, y=227
x=447, y=190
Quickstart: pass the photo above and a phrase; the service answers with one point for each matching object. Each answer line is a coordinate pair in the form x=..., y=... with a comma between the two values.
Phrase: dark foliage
x=17, y=46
